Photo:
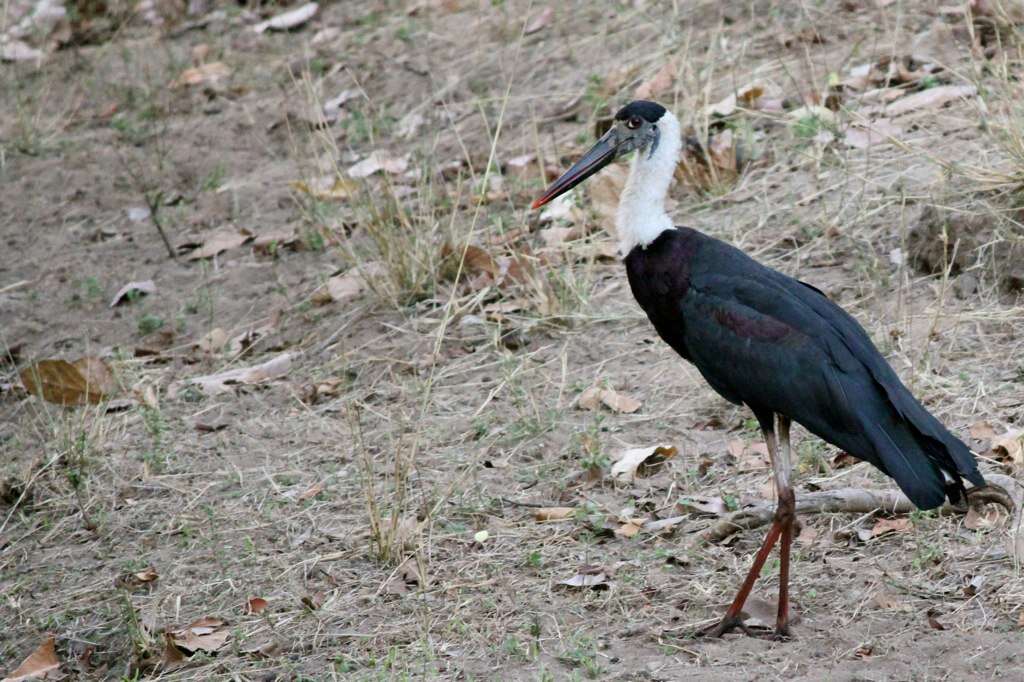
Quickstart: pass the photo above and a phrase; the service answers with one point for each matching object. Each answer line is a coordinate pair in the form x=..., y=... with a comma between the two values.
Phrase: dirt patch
x=379, y=490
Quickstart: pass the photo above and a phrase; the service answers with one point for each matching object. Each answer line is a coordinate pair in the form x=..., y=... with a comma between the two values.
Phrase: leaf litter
x=87, y=380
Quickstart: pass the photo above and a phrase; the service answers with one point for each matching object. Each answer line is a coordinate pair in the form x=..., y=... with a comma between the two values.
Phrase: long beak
x=599, y=156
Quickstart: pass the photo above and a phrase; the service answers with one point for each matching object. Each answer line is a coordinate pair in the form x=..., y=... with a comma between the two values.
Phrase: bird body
x=779, y=345
x=766, y=340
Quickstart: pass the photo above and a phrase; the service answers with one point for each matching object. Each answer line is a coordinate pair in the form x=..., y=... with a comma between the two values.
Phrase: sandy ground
x=380, y=490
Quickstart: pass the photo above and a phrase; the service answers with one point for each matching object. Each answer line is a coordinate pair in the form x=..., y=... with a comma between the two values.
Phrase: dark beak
x=600, y=155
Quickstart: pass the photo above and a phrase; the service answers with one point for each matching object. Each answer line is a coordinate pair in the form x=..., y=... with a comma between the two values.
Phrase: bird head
x=635, y=128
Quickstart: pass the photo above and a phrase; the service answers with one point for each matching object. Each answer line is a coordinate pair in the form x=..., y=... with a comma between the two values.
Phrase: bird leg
x=782, y=527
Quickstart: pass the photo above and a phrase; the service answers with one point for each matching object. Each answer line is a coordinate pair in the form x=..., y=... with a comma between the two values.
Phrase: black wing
x=780, y=345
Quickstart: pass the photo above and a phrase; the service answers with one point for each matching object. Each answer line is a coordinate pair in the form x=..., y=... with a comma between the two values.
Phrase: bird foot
x=730, y=623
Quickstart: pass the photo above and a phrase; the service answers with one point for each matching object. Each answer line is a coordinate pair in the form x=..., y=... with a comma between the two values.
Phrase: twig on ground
x=861, y=501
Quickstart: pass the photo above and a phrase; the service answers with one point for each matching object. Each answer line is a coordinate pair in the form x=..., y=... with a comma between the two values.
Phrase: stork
x=765, y=340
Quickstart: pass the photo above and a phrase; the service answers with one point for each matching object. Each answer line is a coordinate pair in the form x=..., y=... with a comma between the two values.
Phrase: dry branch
x=1002, y=490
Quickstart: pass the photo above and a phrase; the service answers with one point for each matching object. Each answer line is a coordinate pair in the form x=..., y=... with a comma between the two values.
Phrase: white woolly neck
x=641, y=216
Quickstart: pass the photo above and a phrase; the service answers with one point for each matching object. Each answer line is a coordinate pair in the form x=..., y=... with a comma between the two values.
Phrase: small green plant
x=809, y=126
x=149, y=323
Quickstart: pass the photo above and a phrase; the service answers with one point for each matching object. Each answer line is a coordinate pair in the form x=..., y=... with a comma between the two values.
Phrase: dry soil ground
x=445, y=398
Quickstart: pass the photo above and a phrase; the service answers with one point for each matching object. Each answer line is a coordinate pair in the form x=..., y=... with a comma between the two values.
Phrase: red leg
x=731, y=620
x=785, y=514
x=782, y=526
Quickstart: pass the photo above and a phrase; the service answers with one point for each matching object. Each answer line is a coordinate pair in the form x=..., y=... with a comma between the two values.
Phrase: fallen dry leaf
x=132, y=291
x=629, y=529
x=225, y=382
x=212, y=342
x=539, y=21
x=595, y=396
x=897, y=525
x=288, y=20
x=255, y=605
x=171, y=657
x=886, y=601
x=203, y=74
x=706, y=506
x=86, y=380
x=749, y=456
x=351, y=284
x=222, y=240
x=660, y=83
x=930, y=98
x=868, y=135
x=205, y=634
x=746, y=96
x=18, y=51
x=986, y=519
x=639, y=462
x=270, y=242
x=379, y=161
x=592, y=577
x=38, y=664
x=933, y=620
x=543, y=514
x=983, y=431
x=1009, y=447
x=311, y=492
x=327, y=188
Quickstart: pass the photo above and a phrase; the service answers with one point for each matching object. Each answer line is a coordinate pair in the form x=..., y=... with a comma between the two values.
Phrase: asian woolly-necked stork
x=766, y=340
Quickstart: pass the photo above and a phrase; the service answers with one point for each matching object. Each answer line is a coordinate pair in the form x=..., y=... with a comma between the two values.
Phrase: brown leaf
x=132, y=291
x=629, y=529
x=933, y=620
x=877, y=132
x=639, y=462
x=930, y=98
x=40, y=662
x=843, y=460
x=267, y=242
x=660, y=83
x=983, y=431
x=222, y=240
x=747, y=96
x=544, y=514
x=352, y=283
x=171, y=657
x=86, y=380
x=311, y=492
x=991, y=516
x=328, y=188
x=225, y=382
x=898, y=525
x=887, y=601
x=205, y=634
x=539, y=21
x=255, y=605
x=203, y=74
x=379, y=161
x=595, y=396
x=1008, y=447
x=212, y=342
x=286, y=21
x=592, y=577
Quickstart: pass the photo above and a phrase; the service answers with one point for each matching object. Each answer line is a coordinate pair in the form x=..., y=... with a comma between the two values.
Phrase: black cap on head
x=649, y=111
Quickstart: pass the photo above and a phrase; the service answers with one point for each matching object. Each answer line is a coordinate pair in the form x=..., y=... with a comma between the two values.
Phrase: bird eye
x=633, y=123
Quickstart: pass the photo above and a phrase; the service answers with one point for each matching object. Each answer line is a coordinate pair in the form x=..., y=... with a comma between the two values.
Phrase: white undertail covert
x=641, y=216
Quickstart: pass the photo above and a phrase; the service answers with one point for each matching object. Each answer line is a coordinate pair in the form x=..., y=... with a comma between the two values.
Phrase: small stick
x=153, y=200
